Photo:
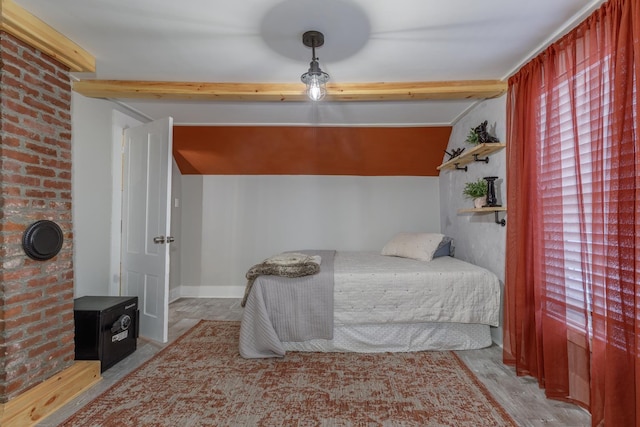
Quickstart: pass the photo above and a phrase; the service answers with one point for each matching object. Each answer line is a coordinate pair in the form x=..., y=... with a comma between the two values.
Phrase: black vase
x=491, y=192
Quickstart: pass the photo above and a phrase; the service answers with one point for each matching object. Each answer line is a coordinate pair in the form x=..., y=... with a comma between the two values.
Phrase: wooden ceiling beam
x=23, y=25
x=287, y=92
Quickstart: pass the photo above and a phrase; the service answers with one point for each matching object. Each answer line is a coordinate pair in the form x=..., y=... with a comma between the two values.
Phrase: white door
x=146, y=219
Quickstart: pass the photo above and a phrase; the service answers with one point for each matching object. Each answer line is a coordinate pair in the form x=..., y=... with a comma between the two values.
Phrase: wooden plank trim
x=42, y=400
x=282, y=92
x=21, y=24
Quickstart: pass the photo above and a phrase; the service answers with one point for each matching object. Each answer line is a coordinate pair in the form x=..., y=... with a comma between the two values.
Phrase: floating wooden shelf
x=494, y=209
x=486, y=210
x=467, y=157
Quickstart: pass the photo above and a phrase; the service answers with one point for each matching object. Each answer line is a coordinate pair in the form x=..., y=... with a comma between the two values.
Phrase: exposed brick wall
x=36, y=297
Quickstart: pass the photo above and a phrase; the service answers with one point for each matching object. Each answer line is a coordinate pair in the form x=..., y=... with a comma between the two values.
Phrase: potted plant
x=476, y=190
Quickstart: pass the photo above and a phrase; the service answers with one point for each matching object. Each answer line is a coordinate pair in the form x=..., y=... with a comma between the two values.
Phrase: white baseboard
x=206, y=292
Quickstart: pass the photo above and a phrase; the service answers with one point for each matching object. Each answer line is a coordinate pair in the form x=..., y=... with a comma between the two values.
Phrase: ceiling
x=260, y=41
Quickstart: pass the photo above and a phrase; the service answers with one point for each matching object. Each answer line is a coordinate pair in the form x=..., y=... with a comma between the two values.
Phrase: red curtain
x=572, y=282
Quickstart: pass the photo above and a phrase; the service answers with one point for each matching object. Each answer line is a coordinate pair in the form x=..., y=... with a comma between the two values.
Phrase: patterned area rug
x=201, y=380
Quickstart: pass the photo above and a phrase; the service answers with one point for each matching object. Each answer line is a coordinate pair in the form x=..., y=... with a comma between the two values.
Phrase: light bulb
x=316, y=89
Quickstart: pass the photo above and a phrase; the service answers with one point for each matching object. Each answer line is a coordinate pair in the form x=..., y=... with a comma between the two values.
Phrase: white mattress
x=374, y=289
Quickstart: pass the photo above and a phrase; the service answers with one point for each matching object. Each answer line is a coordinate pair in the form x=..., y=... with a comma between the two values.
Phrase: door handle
x=171, y=239
x=159, y=240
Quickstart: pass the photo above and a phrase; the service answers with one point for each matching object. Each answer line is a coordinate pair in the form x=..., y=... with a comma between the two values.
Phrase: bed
x=373, y=302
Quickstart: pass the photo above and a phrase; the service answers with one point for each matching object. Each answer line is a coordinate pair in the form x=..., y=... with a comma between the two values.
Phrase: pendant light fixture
x=315, y=78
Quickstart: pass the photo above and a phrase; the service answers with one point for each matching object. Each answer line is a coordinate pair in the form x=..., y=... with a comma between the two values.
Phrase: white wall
x=93, y=157
x=478, y=239
x=97, y=181
x=230, y=223
x=175, y=270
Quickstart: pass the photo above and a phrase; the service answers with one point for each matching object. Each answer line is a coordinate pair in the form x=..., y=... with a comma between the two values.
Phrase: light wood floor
x=520, y=396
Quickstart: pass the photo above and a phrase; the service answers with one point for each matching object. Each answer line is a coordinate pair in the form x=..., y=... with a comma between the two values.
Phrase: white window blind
x=578, y=158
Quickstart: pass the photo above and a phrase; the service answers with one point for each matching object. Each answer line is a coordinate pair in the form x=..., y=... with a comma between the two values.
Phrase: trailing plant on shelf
x=473, y=138
x=475, y=189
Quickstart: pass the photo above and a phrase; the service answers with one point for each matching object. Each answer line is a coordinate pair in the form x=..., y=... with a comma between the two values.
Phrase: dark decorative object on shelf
x=491, y=192
x=480, y=135
x=454, y=153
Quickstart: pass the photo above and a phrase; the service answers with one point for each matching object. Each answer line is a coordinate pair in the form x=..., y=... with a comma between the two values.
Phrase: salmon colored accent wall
x=295, y=150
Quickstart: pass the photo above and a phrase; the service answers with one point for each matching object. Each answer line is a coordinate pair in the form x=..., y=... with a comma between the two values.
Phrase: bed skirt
x=379, y=338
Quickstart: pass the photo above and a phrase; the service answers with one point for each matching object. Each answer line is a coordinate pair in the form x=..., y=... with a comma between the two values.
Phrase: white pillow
x=419, y=246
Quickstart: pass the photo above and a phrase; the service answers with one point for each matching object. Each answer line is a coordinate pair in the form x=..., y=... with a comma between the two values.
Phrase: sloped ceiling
x=259, y=41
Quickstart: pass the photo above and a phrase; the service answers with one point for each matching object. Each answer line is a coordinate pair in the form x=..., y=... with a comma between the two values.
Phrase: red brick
x=9, y=68
x=12, y=191
x=60, y=185
x=30, y=181
x=15, y=336
x=20, y=108
x=12, y=117
x=11, y=165
x=65, y=175
x=40, y=106
x=60, y=265
x=56, y=329
x=36, y=58
x=20, y=131
x=56, y=122
x=37, y=351
x=41, y=304
x=26, y=296
x=40, y=193
x=15, y=59
x=19, y=85
x=13, y=226
x=64, y=115
x=42, y=128
x=65, y=353
x=13, y=386
x=10, y=312
x=21, y=156
x=24, y=273
x=61, y=82
x=22, y=320
x=64, y=206
x=9, y=93
x=41, y=281
x=39, y=171
x=41, y=149
x=56, y=164
x=11, y=141
x=56, y=310
x=18, y=345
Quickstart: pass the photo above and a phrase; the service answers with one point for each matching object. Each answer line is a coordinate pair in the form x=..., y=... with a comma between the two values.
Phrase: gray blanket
x=267, y=269
x=283, y=309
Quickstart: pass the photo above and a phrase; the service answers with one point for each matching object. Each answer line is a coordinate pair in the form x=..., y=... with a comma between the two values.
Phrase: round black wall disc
x=42, y=240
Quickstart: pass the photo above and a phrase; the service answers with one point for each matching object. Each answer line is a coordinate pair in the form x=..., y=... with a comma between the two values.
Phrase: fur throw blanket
x=289, y=264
